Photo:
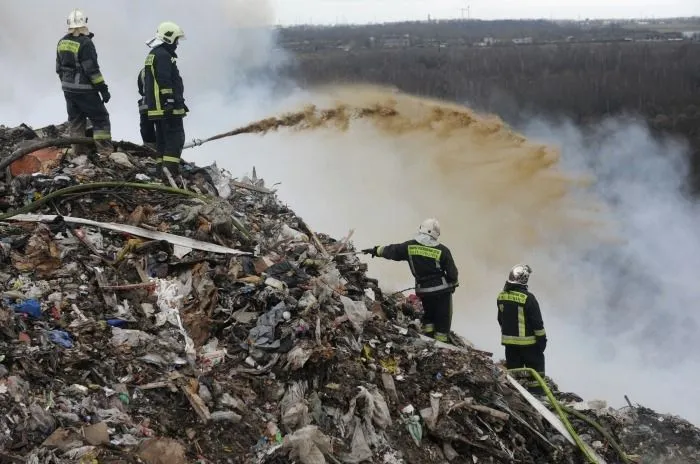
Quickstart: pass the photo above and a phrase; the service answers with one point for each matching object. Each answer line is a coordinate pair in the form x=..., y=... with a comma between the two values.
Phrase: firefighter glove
x=370, y=251
x=541, y=343
x=104, y=93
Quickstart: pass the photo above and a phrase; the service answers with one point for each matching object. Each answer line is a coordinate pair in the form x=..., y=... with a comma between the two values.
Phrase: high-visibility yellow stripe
x=521, y=322
x=101, y=135
x=520, y=341
x=441, y=337
x=517, y=297
x=540, y=333
x=427, y=252
x=156, y=90
x=71, y=46
x=97, y=79
x=428, y=328
x=166, y=91
x=170, y=159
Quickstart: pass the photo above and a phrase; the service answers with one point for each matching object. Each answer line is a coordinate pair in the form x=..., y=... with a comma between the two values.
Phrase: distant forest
x=583, y=73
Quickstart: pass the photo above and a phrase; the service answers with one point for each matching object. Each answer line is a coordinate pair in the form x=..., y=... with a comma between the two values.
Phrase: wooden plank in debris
x=195, y=400
x=252, y=187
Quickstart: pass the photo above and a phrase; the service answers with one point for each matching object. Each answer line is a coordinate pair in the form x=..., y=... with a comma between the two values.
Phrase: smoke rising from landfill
x=601, y=222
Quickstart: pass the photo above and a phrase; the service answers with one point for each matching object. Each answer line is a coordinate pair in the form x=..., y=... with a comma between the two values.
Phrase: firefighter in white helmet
x=164, y=94
x=522, y=329
x=435, y=273
x=84, y=87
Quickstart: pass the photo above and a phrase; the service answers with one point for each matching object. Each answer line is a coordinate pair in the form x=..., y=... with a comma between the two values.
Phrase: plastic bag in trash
x=29, y=307
x=357, y=312
x=62, y=338
x=309, y=445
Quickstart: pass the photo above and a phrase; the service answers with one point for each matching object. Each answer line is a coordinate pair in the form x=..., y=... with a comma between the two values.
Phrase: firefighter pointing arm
x=435, y=273
x=522, y=329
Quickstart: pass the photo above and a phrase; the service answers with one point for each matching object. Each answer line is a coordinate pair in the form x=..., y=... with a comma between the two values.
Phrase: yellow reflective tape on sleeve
x=427, y=252
x=155, y=112
x=159, y=160
x=180, y=111
x=71, y=46
x=540, y=333
x=166, y=91
x=517, y=297
x=500, y=307
x=170, y=159
x=98, y=79
x=380, y=250
x=521, y=322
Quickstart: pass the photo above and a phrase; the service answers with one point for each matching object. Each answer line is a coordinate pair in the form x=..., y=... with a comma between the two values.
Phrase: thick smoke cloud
x=614, y=271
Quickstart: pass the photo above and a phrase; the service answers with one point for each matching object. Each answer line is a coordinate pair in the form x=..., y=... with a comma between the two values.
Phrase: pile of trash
x=205, y=322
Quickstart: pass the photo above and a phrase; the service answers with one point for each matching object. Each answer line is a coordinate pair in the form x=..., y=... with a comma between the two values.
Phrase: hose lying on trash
x=560, y=412
x=58, y=142
x=600, y=430
x=95, y=186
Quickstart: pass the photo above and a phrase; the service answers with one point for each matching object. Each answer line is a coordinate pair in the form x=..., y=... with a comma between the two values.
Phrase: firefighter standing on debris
x=83, y=85
x=435, y=273
x=148, y=127
x=522, y=329
x=163, y=89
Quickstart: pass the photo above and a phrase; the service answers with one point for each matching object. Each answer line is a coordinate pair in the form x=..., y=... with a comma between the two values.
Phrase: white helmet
x=520, y=274
x=169, y=32
x=76, y=19
x=430, y=227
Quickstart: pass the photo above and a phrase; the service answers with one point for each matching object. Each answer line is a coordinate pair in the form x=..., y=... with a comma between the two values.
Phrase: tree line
x=584, y=81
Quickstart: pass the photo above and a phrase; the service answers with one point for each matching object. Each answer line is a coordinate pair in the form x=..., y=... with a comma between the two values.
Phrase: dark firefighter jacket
x=163, y=88
x=76, y=64
x=140, y=82
x=519, y=316
x=432, y=267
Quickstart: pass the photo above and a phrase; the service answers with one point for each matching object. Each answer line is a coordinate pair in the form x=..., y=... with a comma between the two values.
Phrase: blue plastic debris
x=117, y=322
x=62, y=338
x=29, y=307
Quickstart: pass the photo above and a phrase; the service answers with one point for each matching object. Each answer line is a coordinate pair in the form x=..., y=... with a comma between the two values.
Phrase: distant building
x=523, y=40
x=403, y=41
x=691, y=35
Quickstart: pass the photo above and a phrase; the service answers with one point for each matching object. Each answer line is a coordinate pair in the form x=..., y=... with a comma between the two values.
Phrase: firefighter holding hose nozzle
x=435, y=272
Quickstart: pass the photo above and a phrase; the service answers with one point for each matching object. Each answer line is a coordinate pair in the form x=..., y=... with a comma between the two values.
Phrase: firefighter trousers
x=530, y=356
x=437, y=315
x=148, y=130
x=170, y=138
x=84, y=106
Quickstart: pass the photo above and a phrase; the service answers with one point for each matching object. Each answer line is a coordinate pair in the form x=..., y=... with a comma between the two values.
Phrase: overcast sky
x=362, y=11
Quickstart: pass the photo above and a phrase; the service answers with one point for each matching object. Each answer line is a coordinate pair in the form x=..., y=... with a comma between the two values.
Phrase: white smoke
x=620, y=318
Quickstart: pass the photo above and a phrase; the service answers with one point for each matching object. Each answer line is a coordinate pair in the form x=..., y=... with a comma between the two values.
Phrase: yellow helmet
x=169, y=32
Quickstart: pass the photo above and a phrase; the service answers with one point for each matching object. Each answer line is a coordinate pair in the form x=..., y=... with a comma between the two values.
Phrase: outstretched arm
x=394, y=252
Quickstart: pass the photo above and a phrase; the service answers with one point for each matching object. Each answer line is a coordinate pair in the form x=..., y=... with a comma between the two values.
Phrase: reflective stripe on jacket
x=163, y=88
x=77, y=66
x=432, y=267
x=519, y=316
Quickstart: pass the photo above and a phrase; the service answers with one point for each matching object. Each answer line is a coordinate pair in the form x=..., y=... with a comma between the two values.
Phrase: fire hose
x=562, y=413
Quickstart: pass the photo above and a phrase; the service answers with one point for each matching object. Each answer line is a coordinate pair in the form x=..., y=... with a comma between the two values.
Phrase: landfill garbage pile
x=141, y=322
